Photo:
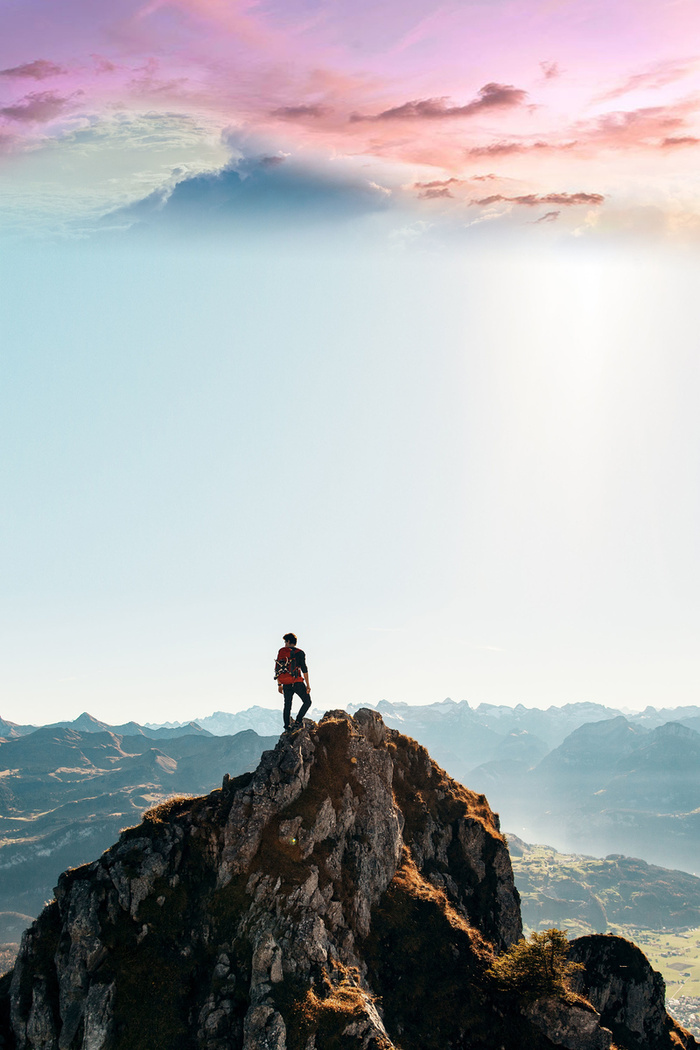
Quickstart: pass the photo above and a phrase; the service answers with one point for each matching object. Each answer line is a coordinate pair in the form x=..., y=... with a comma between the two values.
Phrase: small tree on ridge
x=537, y=968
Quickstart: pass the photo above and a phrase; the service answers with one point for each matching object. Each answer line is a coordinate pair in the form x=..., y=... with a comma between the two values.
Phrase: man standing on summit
x=292, y=677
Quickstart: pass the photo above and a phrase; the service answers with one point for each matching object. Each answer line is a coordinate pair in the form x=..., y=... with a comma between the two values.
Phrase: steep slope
x=347, y=894
x=588, y=757
x=619, y=982
x=662, y=775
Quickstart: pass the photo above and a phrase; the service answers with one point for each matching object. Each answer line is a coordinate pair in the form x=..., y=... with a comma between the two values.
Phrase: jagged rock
x=629, y=995
x=575, y=1026
x=347, y=894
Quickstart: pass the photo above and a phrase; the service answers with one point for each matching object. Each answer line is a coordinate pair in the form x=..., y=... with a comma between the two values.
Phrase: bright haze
x=373, y=322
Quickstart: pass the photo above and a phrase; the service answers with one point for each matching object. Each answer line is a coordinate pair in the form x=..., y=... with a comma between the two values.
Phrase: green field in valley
x=675, y=954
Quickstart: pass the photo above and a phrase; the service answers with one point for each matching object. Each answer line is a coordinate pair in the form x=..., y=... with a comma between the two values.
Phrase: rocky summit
x=347, y=894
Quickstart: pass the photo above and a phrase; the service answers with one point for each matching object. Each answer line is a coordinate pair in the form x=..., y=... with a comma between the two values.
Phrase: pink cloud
x=104, y=65
x=506, y=148
x=646, y=128
x=39, y=107
x=437, y=188
x=435, y=184
x=301, y=112
x=637, y=125
x=40, y=69
x=550, y=70
x=672, y=141
x=657, y=76
x=433, y=194
x=532, y=199
x=490, y=96
x=549, y=216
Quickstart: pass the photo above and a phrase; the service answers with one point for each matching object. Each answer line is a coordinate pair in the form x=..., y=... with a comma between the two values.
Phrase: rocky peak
x=345, y=894
x=619, y=982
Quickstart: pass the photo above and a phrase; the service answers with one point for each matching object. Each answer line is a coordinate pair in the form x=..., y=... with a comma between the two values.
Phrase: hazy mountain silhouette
x=609, y=787
x=65, y=794
x=87, y=723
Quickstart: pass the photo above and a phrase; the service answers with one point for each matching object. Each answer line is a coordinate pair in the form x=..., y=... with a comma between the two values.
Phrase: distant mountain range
x=610, y=786
x=85, y=723
x=65, y=794
x=468, y=735
x=462, y=737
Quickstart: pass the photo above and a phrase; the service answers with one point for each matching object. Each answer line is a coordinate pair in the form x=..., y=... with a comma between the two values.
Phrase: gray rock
x=620, y=983
x=347, y=893
x=569, y=1025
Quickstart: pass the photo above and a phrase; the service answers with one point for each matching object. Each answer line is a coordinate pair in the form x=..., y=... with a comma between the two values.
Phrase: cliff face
x=628, y=994
x=346, y=894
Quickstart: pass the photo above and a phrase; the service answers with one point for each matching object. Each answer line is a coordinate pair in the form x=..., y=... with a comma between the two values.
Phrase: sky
x=376, y=323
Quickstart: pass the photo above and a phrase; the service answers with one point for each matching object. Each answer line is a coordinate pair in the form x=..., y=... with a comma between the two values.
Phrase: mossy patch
x=158, y=817
x=325, y=1010
x=422, y=789
x=281, y=857
x=166, y=811
x=227, y=904
x=333, y=769
x=423, y=959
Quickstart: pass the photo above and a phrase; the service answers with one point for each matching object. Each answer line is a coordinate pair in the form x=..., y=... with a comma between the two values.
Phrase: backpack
x=288, y=665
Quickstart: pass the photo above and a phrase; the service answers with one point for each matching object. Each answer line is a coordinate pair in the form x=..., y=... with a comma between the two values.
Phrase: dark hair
x=290, y=638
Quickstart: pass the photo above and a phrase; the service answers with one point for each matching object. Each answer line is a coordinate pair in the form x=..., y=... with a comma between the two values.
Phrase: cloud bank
x=259, y=193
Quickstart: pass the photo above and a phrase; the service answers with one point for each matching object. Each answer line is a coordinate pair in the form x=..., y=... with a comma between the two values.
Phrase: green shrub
x=537, y=968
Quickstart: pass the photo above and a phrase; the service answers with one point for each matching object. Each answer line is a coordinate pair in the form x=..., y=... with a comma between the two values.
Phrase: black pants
x=290, y=688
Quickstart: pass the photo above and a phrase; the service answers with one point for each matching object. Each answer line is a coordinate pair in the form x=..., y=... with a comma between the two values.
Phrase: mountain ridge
x=347, y=894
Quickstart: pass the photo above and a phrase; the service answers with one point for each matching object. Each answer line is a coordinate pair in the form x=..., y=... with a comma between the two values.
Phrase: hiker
x=292, y=677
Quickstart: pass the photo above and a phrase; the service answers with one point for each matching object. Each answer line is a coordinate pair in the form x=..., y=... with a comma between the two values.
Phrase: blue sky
x=454, y=470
